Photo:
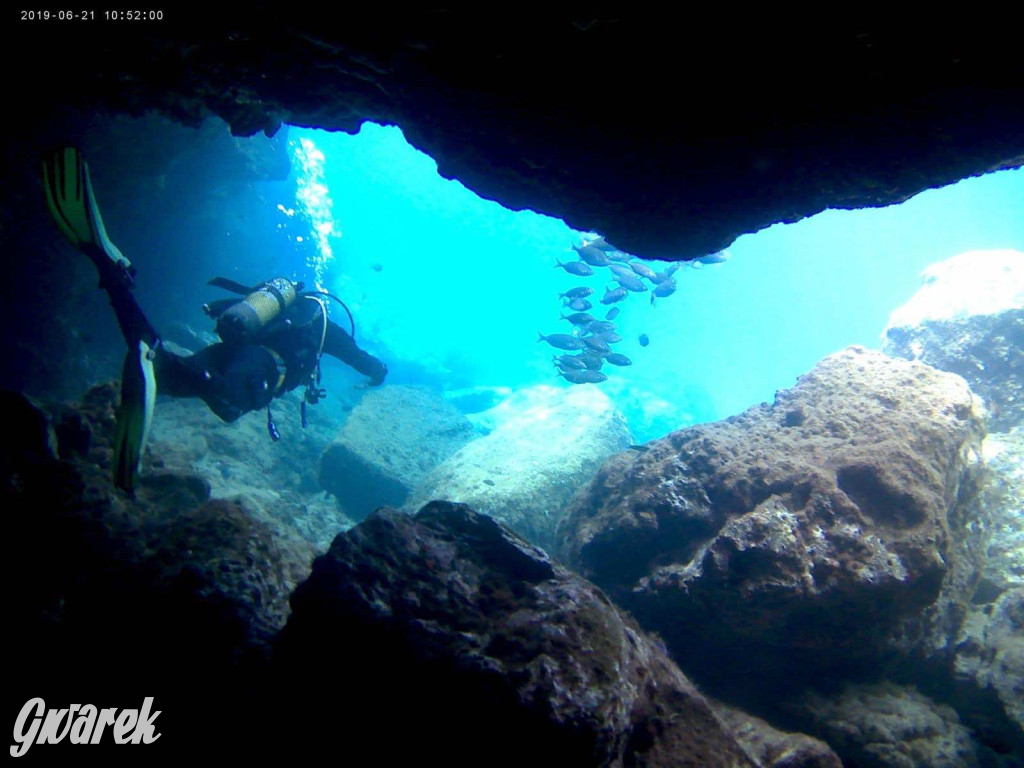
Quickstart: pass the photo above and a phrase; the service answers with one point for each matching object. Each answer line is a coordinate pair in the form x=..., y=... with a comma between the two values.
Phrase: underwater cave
x=393, y=553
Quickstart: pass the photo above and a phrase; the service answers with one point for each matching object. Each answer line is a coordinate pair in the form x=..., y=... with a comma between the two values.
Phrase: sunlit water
x=451, y=290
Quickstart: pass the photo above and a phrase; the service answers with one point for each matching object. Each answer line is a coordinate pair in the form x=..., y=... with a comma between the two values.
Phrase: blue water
x=451, y=289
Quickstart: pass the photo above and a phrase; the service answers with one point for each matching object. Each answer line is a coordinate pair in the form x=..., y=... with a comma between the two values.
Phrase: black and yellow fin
x=73, y=206
x=134, y=415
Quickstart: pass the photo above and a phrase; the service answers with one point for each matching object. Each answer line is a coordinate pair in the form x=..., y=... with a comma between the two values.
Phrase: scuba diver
x=272, y=336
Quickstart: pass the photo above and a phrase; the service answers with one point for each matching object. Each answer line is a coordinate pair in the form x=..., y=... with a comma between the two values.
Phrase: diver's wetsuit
x=233, y=378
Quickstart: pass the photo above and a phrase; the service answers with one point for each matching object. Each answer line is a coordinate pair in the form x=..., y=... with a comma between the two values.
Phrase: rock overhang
x=670, y=137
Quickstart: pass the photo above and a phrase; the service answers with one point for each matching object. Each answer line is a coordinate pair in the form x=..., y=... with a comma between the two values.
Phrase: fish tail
x=558, y=263
x=540, y=336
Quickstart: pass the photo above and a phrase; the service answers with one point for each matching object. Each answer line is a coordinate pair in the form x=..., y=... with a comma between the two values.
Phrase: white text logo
x=83, y=725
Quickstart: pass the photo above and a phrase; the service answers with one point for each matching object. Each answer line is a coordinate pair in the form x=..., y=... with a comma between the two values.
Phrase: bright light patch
x=314, y=201
x=973, y=283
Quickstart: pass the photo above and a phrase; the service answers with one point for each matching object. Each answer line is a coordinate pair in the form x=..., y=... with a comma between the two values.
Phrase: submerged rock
x=473, y=400
x=1001, y=509
x=882, y=726
x=478, y=649
x=807, y=537
x=390, y=442
x=773, y=748
x=190, y=591
x=274, y=481
x=990, y=661
x=968, y=318
x=31, y=437
x=526, y=470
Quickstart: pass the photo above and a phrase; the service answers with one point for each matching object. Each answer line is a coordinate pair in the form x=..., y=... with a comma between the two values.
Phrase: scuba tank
x=246, y=317
x=241, y=320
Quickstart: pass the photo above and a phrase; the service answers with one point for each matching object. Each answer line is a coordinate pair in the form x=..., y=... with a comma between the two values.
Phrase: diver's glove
x=378, y=379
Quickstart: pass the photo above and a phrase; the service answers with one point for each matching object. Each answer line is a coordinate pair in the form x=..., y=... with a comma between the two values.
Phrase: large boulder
x=388, y=445
x=545, y=445
x=805, y=537
x=968, y=318
x=891, y=726
x=468, y=646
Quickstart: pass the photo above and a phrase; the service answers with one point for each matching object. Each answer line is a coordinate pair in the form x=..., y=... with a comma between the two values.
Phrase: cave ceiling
x=669, y=133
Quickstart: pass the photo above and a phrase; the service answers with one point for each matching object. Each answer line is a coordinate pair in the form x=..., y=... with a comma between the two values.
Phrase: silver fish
x=600, y=326
x=598, y=242
x=631, y=283
x=575, y=268
x=611, y=314
x=622, y=270
x=579, y=318
x=616, y=359
x=579, y=305
x=618, y=256
x=611, y=337
x=714, y=258
x=665, y=274
x=612, y=296
x=595, y=257
x=664, y=288
x=596, y=343
x=576, y=293
x=561, y=340
x=592, y=360
x=642, y=269
x=573, y=362
x=583, y=377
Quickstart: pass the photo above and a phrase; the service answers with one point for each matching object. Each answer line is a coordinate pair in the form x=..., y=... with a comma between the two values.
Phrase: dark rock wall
x=669, y=135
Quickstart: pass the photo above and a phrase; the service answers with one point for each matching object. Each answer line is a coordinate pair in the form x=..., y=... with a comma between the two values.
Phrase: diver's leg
x=74, y=209
x=118, y=283
x=232, y=379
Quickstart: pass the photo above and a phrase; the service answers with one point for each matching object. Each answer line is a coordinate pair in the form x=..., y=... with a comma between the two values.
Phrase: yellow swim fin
x=73, y=206
x=134, y=415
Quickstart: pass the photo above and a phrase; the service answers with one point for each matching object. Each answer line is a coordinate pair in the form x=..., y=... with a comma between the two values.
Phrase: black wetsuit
x=235, y=378
x=238, y=377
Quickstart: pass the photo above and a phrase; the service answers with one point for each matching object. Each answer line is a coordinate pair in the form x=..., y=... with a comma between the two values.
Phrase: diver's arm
x=342, y=346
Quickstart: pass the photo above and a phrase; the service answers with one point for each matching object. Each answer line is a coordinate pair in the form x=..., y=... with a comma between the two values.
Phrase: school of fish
x=590, y=338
